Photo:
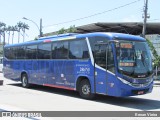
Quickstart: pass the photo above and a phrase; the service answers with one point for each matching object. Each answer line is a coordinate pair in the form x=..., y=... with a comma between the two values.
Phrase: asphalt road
x=39, y=98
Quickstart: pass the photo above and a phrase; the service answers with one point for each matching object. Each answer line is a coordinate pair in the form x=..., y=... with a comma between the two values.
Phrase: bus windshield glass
x=134, y=59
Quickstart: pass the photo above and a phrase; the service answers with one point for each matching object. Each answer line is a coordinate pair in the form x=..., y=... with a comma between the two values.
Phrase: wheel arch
x=79, y=79
x=22, y=73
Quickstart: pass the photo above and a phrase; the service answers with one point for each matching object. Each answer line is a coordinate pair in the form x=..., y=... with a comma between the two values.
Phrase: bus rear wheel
x=24, y=80
x=85, y=90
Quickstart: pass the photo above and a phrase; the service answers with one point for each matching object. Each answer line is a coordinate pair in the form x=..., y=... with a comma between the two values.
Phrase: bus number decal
x=83, y=69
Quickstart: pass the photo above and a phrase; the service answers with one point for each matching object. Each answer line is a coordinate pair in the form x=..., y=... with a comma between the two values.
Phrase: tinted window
x=54, y=49
x=8, y=53
x=31, y=52
x=44, y=51
x=20, y=52
x=100, y=55
x=96, y=40
x=60, y=50
x=110, y=59
x=14, y=52
x=78, y=50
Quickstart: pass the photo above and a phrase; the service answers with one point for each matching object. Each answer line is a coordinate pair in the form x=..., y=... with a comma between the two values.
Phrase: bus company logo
x=21, y=114
x=6, y=114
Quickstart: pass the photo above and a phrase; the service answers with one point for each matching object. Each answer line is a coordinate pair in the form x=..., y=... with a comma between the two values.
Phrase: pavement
x=156, y=83
x=16, y=98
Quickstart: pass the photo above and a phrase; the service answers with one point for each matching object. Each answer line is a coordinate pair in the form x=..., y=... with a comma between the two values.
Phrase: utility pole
x=41, y=33
x=145, y=16
x=39, y=27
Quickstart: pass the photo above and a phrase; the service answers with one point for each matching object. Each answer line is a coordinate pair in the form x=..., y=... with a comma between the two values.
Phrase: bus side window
x=78, y=50
x=110, y=59
x=20, y=52
x=60, y=50
x=44, y=51
x=14, y=53
x=8, y=52
x=31, y=52
x=96, y=40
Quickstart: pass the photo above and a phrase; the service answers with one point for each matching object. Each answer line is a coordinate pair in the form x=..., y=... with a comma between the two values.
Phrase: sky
x=59, y=11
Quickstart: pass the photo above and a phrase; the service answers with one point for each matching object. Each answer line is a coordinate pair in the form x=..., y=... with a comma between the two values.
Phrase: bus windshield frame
x=133, y=58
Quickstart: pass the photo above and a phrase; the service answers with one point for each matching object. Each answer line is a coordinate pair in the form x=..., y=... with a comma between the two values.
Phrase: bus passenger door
x=111, y=79
x=100, y=75
x=104, y=69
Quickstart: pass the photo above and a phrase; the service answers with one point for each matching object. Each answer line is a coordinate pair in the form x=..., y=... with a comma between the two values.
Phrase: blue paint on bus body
x=65, y=72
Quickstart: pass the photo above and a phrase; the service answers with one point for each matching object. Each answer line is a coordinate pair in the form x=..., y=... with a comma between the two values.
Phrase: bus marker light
x=46, y=41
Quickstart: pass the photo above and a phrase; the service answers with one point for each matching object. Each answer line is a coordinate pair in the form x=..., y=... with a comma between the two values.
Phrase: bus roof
x=108, y=35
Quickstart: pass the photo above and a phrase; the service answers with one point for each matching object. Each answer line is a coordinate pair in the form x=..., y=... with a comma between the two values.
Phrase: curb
x=1, y=82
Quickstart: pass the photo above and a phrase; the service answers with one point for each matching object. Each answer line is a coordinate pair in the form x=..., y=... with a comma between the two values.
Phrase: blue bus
x=113, y=64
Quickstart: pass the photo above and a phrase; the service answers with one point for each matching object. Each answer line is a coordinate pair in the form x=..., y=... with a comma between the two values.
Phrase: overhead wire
x=93, y=14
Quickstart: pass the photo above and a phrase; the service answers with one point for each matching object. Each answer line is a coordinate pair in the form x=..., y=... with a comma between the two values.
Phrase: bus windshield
x=134, y=59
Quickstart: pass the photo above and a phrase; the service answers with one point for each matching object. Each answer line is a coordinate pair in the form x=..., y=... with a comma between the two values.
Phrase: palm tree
x=19, y=25
x=24, y=27
x=14, y=28
x=2, y=25
x=2, y=30
x=9, y=29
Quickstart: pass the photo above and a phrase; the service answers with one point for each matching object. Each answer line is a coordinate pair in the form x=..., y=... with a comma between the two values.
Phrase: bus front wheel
x=85, y=90
x=24, y=80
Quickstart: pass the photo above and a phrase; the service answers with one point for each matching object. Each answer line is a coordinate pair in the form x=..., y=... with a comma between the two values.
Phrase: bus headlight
x=135, y=83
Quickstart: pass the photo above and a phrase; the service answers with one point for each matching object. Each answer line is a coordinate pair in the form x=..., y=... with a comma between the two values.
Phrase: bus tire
x=85, y=90
x=24, y=80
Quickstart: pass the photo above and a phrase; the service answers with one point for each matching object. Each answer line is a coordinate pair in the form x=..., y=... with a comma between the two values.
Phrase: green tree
x=71, y=29
x=156, y=60
x=61, y=31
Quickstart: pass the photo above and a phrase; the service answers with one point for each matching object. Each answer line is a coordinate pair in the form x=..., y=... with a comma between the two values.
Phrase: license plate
x=140, y=92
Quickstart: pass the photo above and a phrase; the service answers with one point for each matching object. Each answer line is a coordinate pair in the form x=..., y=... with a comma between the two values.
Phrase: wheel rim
x=85, y=89
x=24, y=81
